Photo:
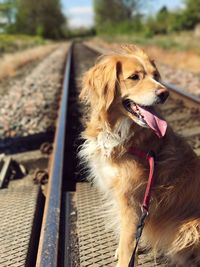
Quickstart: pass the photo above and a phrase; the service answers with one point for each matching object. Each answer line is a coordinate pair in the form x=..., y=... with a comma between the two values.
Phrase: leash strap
x=140, y=227
x=147, y=197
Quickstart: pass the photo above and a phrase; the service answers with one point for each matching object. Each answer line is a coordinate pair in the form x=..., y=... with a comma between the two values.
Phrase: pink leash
x=150, y=156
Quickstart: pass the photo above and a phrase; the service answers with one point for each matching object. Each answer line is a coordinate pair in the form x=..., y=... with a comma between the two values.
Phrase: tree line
x=126, y=16
x=45, y=18
x=39, y=17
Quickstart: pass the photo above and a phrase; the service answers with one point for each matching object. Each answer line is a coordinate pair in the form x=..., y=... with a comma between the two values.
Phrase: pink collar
x=150, y=156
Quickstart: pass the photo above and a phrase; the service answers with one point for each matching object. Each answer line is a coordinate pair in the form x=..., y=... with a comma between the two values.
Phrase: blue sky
x=80, y=12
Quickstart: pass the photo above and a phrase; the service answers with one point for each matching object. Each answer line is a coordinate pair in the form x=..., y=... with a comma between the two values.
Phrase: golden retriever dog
x=122, y=92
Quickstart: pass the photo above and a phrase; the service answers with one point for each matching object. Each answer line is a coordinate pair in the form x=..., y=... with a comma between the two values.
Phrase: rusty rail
x=189, y=99
x=49, y=237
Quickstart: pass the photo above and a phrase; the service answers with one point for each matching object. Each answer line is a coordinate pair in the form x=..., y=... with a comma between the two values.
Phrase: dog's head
x=126, y=84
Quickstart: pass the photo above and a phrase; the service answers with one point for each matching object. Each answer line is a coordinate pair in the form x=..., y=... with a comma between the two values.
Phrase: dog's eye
x=156, y=76
x=134, y=77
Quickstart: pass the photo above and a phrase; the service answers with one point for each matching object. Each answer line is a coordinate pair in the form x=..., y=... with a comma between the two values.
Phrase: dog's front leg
x=126, y=246
x=127, y=233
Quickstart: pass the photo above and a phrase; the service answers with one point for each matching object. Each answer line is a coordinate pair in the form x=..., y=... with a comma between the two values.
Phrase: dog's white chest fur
x=103, y=172
x=96, y=152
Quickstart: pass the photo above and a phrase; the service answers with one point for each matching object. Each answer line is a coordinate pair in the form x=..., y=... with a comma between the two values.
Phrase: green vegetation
x=42, y=17
x=7, y=9
x=125, y=17
x=175, y=41
x=80, y=33
x=113, y=18
x=12, y=43
x=167, y=21
x=27, y=23
x=119, y=17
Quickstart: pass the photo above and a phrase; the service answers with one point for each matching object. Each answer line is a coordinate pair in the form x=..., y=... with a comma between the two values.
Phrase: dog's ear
x=99, y=84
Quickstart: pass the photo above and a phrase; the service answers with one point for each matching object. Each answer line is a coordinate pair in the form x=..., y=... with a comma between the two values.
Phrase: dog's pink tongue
x=155, y=123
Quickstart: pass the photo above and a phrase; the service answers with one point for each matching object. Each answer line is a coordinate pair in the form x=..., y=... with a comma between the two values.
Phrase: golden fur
x=173, y=225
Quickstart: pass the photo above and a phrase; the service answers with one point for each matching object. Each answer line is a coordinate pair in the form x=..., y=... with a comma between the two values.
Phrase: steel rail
x=176, y=92
x=189, y=99
x=49, y=238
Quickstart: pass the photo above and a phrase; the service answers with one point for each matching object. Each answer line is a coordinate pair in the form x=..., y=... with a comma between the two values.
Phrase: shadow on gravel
x=26, y=143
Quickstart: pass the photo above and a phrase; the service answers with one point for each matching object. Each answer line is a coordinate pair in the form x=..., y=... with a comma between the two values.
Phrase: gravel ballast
x=186, y=80
x=31, y=104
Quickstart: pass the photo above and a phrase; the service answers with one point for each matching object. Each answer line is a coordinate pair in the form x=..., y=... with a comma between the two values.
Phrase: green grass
x=13, y=43
x=183, y=41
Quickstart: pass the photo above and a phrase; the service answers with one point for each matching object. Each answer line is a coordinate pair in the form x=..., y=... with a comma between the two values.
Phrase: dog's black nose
x=162, y=95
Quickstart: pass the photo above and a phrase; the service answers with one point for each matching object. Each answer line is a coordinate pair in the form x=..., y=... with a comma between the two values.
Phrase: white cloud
x=81, y=10
x=80, y=16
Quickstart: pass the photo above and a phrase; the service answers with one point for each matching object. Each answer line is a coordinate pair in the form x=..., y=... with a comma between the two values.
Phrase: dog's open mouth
x=147, y=117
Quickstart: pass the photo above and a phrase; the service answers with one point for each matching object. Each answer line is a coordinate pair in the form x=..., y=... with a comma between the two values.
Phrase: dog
x=122, y=91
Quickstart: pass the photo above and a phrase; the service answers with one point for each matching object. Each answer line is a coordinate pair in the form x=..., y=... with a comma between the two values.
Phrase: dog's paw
x=117, y=254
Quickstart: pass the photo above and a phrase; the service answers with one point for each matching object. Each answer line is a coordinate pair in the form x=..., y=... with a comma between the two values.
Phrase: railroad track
x=73, y=232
